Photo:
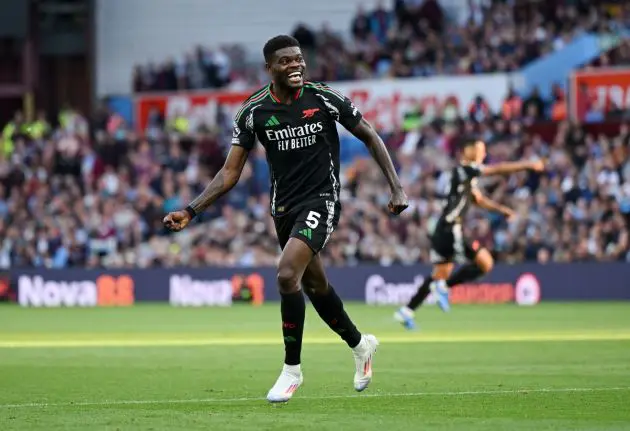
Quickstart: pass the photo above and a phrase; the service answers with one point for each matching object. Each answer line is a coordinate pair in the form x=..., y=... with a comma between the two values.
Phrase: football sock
x=421, y=294
x=292, y=308
x=330, y=309
x=466, y=273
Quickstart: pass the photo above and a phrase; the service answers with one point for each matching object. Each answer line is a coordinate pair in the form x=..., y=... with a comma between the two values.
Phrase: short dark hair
x=467, y=142
x=278, y=42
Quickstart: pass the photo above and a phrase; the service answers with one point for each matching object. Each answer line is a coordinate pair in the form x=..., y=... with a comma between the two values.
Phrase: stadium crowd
x=93, y=193
x=412, y=38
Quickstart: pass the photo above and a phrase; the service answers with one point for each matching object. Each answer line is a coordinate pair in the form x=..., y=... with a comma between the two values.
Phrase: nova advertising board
x=106, y=290
x=186, y=291
x=93, y=288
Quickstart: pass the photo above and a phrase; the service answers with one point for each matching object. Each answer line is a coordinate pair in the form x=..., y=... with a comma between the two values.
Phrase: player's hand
x=398, y=203
x=510, y=215
x=176, y=220
x=538, y=166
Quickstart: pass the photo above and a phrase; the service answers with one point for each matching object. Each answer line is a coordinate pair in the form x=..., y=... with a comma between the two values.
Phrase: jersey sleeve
x=473, y=170
x=243, y=129
x=340, y=107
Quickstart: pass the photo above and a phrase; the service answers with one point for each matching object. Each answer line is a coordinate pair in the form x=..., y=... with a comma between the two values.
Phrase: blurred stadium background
x=114, y=112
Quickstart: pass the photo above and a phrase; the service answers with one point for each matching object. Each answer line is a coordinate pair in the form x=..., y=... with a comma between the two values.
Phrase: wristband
x=191, y=212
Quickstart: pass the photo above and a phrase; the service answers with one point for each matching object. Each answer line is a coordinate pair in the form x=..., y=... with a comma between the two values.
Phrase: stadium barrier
x=524, y=284
x=382, y=102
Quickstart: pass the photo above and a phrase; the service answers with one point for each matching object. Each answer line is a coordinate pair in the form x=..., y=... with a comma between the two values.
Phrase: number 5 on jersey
x=312, y=220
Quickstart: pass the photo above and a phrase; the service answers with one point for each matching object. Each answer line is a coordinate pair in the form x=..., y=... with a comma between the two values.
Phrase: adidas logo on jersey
x=273, y=121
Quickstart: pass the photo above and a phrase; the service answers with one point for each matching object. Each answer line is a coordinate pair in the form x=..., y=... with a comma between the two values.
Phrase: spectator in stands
x=585, y=100
x=361, y=27
x=115, y=219
x=220, y=62
x=380, y=21
x=534, y=105
x=479, y=110
x=559, y=106
x=417, y=35
x=73, y=198
x=596, y=112
x=305, y=36
x=168, y=79
x=191, y=73
x=11, y=131
x=431, y=12
x=512, y=106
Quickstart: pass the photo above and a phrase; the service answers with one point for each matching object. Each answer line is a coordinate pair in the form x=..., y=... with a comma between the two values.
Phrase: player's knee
x=487, y=266
x=287, y=280
x=314, y=287
x=442, y=271
x=484, y=261
x=308, y=286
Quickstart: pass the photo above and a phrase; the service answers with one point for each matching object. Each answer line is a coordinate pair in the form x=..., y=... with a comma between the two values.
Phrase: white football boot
x=289, y=381
x=405, y=316
x=363, y=354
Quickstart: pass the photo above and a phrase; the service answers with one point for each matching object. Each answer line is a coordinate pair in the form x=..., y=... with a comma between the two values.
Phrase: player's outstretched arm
x=366, y=133
x=490, y=205
x=511, y=167
x=224, y=180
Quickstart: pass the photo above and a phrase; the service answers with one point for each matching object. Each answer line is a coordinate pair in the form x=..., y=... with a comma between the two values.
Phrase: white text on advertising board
x=380, y=292
x=37, y=292
x=526, y=291
x=185, y=291
x=105, y=291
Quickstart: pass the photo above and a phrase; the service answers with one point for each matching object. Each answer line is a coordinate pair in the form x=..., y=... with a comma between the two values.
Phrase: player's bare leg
x=481, y=265
x=330, y=308
x=293, y=262
x=438, y=286
x=441, y=272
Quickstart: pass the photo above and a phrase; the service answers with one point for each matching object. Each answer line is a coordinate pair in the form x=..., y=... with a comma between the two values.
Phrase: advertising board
x=523, y=284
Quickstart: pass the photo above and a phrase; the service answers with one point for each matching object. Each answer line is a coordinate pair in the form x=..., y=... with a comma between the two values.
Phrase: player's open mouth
x=295, y=77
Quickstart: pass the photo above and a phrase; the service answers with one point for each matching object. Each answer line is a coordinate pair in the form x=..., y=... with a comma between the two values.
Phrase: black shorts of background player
x=296, y=121
x=448, y=244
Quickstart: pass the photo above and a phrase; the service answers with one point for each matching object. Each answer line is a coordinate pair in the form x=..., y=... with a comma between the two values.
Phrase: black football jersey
x=457, y=192
x=300, y=139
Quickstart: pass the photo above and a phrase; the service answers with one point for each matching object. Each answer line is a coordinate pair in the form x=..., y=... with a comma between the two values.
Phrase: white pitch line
x=372, y=395
x=272, y=341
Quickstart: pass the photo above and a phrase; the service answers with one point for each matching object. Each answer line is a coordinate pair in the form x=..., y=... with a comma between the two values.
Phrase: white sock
x=407, y=311
x=361, y=346
x=295, y=370
x=440, y=284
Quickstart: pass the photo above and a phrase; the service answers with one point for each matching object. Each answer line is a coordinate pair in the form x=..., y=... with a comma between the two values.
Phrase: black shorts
x=449, y=245
x=312, y=223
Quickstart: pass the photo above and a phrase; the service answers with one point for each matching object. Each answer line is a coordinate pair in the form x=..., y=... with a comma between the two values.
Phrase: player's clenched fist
x=398, y=202
x=176, y=220
x=538, y=166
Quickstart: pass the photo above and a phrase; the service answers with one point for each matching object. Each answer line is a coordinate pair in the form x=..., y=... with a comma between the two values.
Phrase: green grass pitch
x=153, y=367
